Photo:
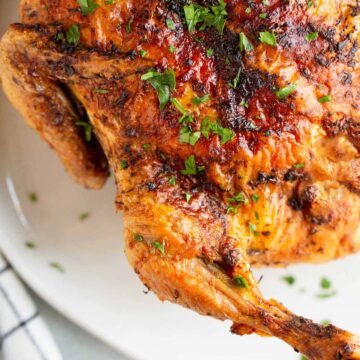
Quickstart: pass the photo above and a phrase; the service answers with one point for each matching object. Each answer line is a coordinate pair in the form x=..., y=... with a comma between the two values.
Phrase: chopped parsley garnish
x=84, y=216
x=172, y=181
x=138, y=237
x=187, y=197
x=209, y=52
x=325, y=283
x=326, y=295
x=124, y=164
x=241, y=282
x=208, y=127
x=170, y=24
x=299, y=166
x=268, y=38
x=100, y=91
x=235, y=82
x=326, y=323
x=87, y=6
x=190, y=166
x=255, y=198
x=286, y=91
x=289, y=279
x=312, y=36
x=163, y=83
x=263, y=15
x=143, y=53
x=30, y=245
x=245, y=44
x=146, y=147
x=199, y=100
x=172, y=49
x=33, y=197
x=87, y=129
x=129, y=25
x=189, y=137
x=215, y=16
x=57, y=266
x=186, y=117
x=325, y=99
x=73, y=35
x=231, y=209
x=159, y=246
x=239, y=198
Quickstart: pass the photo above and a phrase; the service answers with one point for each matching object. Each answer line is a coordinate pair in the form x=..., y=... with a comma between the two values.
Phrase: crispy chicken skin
x=273, y=180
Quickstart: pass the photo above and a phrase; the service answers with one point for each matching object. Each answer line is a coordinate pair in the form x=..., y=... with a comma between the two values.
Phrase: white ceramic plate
x=99, y=291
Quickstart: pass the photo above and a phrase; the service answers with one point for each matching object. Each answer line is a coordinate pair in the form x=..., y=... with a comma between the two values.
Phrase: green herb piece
x=245, y=44
x=30, y=245
x=129, y=25
x=326, y=323
x=231, y=209
x=186, y=117
x=73, y=35
x=286, y=91
x=189, y=137
x=241, y=282
x=303, y=357
x=143, y=53
x=57, y=266
x=289, y=279
x=310, y=4
x=199, y=100
x=239, y=198
x=248, y=10
x=268, y=38
x=255, y=198
x=188, y=197
x=84, y=216
x=138, y=237
x=159, y=246
x=325, y=99
x=325, y=283
x=190, y=166
x=326, y=295
x=124, y=164
x=33, y=197
x=263, y=15
x=213, y=17
x=235, y=82
x=87, y=129
x=208, y=127
x=312, y=36
x=209, y=52
x=146, y=147
x=172, y=181
x=109, y=2
x=100, y=91
x=299, y=166
x=172, y=49
x=87, y=6
x=170, y=24
x=163, y=83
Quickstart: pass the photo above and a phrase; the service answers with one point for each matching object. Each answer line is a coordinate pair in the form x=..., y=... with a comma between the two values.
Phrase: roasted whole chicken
x=233, y=131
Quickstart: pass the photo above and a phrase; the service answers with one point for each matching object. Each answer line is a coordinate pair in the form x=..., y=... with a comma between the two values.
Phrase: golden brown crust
x=283, y=189
x=47, y=108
